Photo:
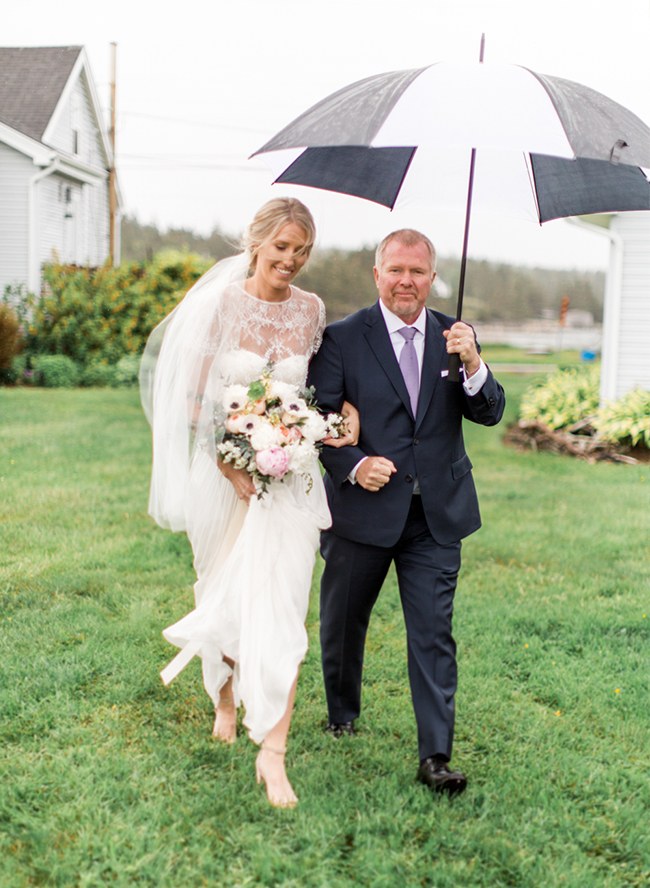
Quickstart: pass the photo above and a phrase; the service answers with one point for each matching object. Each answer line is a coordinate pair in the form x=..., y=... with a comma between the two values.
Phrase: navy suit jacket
x=357, y=363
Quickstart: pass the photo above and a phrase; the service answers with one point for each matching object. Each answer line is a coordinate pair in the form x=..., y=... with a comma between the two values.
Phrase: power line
x=201, y=123
x=161, y=164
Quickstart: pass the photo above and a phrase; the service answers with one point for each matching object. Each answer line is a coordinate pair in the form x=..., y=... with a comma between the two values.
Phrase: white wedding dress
x=254, y=562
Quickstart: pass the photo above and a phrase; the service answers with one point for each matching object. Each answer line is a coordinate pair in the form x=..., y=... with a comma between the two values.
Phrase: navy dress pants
x=427, y=573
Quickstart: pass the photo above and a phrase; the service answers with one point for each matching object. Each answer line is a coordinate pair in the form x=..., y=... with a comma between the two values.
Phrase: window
x=76, y=124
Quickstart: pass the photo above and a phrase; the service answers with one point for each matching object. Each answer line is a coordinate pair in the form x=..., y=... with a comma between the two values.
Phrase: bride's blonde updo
x=272, y=217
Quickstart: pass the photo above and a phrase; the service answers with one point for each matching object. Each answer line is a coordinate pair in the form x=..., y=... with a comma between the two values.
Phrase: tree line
x=494, y=291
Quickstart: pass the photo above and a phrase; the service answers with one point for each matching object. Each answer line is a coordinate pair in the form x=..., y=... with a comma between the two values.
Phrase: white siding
x=97, y=223
x=84, y=239
x=55, y=199
x=16, y=170
x=73, y=221
x=77, y=115
x=633, y=365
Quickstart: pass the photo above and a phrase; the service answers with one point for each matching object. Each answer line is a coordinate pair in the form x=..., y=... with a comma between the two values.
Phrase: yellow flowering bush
x=98, y=316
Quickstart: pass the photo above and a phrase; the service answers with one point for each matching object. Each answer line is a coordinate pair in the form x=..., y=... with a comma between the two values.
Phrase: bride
x=253, y=555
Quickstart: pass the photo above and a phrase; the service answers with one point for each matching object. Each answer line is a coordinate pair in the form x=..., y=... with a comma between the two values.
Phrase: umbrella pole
x=454, y=359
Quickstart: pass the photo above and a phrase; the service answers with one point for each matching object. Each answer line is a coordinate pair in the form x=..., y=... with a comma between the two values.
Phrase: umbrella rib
x=533, y=186
x=406, y=169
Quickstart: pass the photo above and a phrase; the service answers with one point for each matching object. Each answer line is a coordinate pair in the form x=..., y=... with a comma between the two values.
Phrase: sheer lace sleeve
x=320, y=326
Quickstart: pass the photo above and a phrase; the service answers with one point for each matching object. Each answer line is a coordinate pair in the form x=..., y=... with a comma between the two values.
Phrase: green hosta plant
x=626, y=421
x=563, y=398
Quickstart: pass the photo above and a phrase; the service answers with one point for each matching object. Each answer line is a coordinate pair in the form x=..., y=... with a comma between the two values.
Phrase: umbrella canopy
x=547, y=147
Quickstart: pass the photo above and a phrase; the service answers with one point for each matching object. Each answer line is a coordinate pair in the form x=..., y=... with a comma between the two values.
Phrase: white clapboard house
x=626, y=316
x=55, y=159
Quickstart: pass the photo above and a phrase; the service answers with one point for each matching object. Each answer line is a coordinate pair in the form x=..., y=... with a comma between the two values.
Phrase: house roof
x=31, y=82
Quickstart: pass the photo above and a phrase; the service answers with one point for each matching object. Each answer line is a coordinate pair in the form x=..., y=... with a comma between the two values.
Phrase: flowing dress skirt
x=254, y=565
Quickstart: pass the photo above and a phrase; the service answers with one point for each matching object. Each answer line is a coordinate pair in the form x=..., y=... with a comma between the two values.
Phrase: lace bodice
x=241, y=366
x=275, y=331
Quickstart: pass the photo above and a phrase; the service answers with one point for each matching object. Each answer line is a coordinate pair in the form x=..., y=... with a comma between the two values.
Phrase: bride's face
x=280, y=259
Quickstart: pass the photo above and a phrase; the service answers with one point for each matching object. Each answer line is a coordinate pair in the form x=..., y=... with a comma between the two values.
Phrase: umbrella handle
x=454, y=368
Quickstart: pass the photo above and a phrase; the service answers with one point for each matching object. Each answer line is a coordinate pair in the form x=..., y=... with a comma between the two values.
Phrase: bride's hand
x=352, y=424
x=240, y=480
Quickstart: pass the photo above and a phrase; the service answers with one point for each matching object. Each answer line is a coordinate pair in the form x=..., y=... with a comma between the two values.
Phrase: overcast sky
x=201, y=85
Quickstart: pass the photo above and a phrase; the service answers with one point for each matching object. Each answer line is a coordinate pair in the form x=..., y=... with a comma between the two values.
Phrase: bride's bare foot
x=269, y=767
x=225, y=723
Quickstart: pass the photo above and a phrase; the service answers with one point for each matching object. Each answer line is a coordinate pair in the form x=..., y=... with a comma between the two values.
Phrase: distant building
x=55, y=159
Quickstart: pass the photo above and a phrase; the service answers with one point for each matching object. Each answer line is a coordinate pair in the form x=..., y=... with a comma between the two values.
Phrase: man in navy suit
x=404, y=494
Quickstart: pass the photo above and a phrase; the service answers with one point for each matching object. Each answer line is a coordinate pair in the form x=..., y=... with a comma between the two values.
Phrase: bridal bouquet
x=271, y=428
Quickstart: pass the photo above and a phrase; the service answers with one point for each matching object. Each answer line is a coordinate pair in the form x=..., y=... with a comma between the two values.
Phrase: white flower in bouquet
x=334, y=425
x=235, y=423
x=251, y=424
x=301, y=457
x=235, y=398
x=242, y=423
x=264, y=436
x=296, y=407
x=281, y=391
x=314, y=427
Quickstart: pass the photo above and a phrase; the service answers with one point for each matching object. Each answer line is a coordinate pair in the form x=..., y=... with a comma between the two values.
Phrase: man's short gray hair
x=407, y=237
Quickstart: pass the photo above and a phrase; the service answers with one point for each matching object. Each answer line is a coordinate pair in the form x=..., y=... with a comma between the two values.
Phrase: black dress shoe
x=338, y=730
x=436, y=773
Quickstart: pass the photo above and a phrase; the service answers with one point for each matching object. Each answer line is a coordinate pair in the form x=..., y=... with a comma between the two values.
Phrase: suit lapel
x=379, y=342
x=434, y=351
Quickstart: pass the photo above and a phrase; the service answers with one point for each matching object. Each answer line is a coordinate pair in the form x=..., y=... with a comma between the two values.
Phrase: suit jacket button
x=416, y=441
x=409, y=478
x=491, y=401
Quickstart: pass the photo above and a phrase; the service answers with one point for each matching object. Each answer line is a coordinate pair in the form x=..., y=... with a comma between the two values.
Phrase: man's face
x=404, y=279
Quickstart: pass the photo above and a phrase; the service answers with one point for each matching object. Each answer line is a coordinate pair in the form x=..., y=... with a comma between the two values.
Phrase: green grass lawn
x=108, y=778
x=509, y=354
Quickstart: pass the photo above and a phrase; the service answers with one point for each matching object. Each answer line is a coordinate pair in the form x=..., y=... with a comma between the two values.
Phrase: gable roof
x=31, y=82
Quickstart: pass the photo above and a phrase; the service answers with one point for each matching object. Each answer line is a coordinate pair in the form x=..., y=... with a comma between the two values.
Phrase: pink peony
x=273, y=461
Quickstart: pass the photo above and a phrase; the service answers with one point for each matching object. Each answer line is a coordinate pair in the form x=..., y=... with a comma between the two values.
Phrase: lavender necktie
x=408, y=364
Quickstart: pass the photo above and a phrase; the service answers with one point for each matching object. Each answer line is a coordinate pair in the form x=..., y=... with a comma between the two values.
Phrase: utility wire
x=202, y=123
x=155, y=164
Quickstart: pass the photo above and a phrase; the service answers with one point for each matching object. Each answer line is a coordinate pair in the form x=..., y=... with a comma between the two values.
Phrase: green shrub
x=127, y=370
x=19, y=370
x=563, y=398
x=97, y=373
x=56, y=371
x=626, y=421
x=103, y=314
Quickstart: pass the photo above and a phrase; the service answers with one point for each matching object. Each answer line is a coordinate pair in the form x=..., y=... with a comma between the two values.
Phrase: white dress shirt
x=394, y=324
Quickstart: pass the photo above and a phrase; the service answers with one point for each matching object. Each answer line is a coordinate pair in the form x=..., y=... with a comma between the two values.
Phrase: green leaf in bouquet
x=256, y=390
x=308, y=394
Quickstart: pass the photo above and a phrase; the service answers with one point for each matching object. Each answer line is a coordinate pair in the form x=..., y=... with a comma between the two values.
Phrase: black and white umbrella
x=535, y=147
x=547, y=147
